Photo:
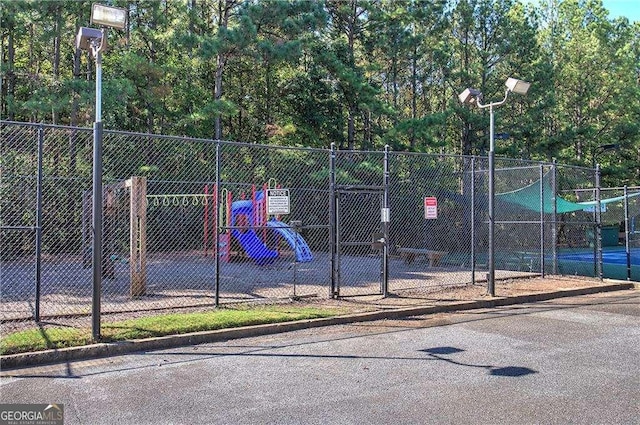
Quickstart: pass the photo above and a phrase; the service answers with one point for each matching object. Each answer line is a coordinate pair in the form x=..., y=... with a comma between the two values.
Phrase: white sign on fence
x=430, y=207
x=277, y=201
x=385, y=215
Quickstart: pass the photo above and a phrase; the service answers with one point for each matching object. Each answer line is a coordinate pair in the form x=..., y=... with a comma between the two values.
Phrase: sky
x=628, y=8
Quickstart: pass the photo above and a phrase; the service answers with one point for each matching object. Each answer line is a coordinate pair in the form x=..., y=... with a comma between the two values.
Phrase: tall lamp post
x=474, y=97
x=95, y=41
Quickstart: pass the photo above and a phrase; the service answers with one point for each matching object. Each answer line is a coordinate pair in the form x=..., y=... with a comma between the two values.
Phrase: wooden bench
x=522, y=261
x=409, y=255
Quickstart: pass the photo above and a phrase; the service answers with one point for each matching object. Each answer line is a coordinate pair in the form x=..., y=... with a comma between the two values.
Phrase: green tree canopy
x=360, y=73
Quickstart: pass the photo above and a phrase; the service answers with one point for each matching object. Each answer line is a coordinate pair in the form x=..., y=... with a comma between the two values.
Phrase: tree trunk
x=10, y=79
x=466, y=146
x=73, y=136
x=352, y=111
x=224, y=9
x=56, y=59
x=414, y=90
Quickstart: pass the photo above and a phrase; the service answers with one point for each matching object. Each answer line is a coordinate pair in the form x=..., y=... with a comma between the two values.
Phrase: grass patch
x=42, y=339
x=155, y=326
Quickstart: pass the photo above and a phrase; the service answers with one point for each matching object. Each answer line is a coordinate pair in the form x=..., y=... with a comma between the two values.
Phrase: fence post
x=38, y=223
x=385, y=224
x=626, y=231
x=554, y=218
x=96, y=261
x=473, y=220
x=598, y=232
x=491, y=280
x=541, y=220
x=332, y=221
x=218, y=226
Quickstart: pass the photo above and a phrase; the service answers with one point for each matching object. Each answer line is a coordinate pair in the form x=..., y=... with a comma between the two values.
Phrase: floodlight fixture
x=470, y=96
x=88, y=37
x=517, y=86
x=108, y=16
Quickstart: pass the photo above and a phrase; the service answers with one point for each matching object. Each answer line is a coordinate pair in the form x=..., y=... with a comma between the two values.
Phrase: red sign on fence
x=430, y=207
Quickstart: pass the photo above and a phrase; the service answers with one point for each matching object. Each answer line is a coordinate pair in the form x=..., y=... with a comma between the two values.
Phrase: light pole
x=474, y=97
x=95, y=41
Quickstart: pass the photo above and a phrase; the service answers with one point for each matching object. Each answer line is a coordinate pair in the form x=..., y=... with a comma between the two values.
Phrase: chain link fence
x=431, y=248
x=191, y=223
x=612, y=249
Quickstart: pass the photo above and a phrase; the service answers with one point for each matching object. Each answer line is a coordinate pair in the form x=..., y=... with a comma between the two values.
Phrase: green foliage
x=361, y=74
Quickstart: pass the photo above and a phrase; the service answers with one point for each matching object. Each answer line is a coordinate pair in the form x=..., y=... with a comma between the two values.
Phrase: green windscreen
x=529, y=197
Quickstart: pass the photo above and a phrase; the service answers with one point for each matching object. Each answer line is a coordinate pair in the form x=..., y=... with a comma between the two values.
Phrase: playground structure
x=242, y=223
x=247, y=222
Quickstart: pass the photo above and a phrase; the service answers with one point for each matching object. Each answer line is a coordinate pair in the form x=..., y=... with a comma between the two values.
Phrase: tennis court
x=616, y=256
x=614, y=263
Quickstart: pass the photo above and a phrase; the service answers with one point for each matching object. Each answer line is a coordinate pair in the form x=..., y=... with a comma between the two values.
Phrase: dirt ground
x=356, y=304
x=444, y=295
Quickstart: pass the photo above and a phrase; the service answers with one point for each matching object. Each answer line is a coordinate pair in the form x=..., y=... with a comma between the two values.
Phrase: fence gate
x=359, y=257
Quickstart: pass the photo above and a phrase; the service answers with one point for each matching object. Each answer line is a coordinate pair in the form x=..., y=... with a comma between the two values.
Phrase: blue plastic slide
x=254, y=247
x=294, y=239
x=247, y=237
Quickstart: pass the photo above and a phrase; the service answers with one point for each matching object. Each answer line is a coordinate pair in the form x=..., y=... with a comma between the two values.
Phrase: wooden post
x=86, y=229
x=206, y=218
x=108, y=236
x=138, y=236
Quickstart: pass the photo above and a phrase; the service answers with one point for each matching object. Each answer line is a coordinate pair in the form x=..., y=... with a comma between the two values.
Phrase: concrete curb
x=117, y=348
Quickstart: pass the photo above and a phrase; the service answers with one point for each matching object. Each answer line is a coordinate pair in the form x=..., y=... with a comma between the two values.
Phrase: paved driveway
x=572, y=360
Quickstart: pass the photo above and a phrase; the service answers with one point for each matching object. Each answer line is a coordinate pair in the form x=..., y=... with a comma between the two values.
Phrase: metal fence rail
x=188, y=222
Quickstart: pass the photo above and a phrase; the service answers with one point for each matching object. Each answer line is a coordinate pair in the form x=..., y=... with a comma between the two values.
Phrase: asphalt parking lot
x=568, y=360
